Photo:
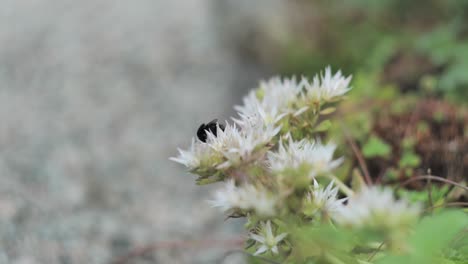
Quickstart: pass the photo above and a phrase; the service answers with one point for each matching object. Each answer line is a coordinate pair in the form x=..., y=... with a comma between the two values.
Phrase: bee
x=211, y=126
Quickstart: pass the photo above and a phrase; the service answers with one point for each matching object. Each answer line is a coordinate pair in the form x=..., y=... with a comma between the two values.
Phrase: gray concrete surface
x=95, y=95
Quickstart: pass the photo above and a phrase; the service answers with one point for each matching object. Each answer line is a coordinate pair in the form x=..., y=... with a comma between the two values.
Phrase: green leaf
x=423, y=127
x=432, y=235
x=316, y=241
x=376, y=147
x=409, y=160
x=454, y=76
x=435, y=232
x=391, y=174
x=328, y=110
x=324, y=126
x=205, y=181
x=439, y=194
x=408, y=143
x=216, y=177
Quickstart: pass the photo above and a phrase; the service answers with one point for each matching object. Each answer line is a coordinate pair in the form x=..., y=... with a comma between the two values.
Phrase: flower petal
x=257, y=238
x=261, y=250
x=280, y=237
x=274, y=249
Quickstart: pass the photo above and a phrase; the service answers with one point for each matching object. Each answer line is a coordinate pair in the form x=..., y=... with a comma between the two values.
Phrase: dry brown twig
x=436, y=178
x=376, y=251
x=357, y=152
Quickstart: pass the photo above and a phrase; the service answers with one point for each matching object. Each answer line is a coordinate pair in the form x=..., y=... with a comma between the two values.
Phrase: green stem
x=345, y=189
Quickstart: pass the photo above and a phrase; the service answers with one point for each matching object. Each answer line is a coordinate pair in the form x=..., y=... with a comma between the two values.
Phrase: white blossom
x=258, y=117
x=376, y=208
x=266, y=238
x=297, y=153
x=327, y=87
x=323, y=199
x=276, y=100
x=192, y=158
x=237, y=145
x=227, y=147
x=255, y=108
x=244, y=197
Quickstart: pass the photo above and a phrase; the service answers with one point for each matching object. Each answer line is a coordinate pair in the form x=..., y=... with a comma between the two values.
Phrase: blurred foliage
x=404, y=136
x=438, y=238
x=409, y=61
x=438, y=195
x=375, y=147
x=406, y=114
x=429, y=241
x=418, y=45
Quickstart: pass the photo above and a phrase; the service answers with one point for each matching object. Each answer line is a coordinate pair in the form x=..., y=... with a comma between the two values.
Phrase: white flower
x=192, y=158
x=257, y=116
x=253, y=107
x=319, y=157
x=227, y=147
x=376, y=208
x=228, y=197
x=245, y=197
x=276, y=99
x=323, y=200
x=325, y=87
x=238, y=146
x=265, y=237
x=280, y=93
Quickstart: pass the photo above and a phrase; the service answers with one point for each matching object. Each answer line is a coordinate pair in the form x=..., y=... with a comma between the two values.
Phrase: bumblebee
x=211, y=126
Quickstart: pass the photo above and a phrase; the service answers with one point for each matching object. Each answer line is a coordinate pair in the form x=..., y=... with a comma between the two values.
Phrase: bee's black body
x=211, y=126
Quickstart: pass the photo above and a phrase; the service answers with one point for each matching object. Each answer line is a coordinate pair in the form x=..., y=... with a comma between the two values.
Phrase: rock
x=95, y=97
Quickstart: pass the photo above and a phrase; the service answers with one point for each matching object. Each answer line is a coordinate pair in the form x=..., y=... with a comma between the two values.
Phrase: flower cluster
x=327, y=87
x=323, y=200
x=253, y=133
x=244, y=198
x=277, y=98
x=316, y=157
x=377, y=208
x=226, y=148
x=274, y=166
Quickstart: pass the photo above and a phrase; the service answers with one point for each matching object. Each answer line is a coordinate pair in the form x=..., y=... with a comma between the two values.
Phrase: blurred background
x=96, y=95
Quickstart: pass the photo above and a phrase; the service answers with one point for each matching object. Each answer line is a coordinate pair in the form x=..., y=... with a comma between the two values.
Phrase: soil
x=438, y=130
